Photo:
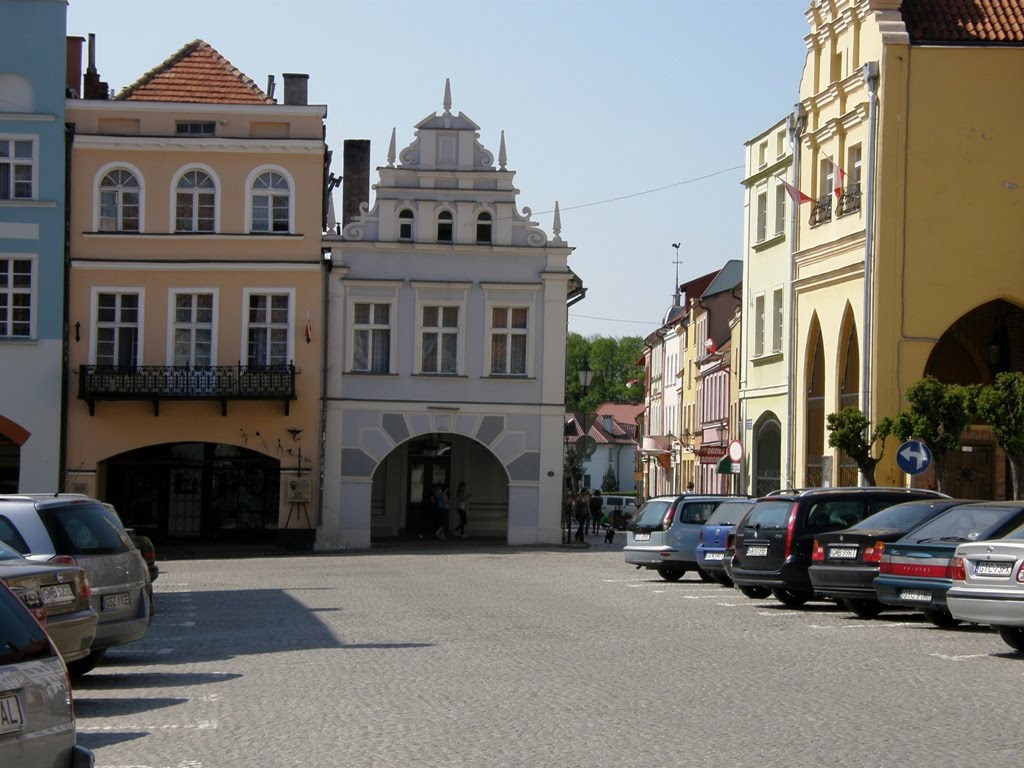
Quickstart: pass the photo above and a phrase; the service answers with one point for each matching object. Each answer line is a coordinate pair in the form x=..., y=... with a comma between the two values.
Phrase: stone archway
x=767, y=454
x=987, y=340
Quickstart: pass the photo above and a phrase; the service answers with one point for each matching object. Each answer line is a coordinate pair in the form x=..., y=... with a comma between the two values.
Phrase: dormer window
x=405, y=222
x=483, y=228
x=444, y=226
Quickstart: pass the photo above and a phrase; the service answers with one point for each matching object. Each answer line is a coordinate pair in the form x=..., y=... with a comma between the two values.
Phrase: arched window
x=271, y=199
x=483, y=228
x=444, y=226
x=406, y=219
x=119, y=202
x=195, y=201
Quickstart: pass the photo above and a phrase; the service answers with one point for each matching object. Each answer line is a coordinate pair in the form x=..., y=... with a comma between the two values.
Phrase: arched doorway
x=767, y=455
x=849, y=387
x=814, y=408
x=195, y=491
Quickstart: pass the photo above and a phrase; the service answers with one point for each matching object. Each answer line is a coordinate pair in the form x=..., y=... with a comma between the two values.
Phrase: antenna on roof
x=270, y=86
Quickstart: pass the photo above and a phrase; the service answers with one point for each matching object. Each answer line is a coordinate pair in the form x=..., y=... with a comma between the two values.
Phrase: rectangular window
x=371, y=338
x=780, y=209
x=780, y=144
x=762, y=154
x=762, y=216
x=826, y=179
x=759, y=325
x=853, y=168
x=440, y=340
x=267, y=330
x=777, y=320
x=17, y=168
x=15, y=298
x=186, y=128
x=193, y=330
x=508, y=340
x=117, y=329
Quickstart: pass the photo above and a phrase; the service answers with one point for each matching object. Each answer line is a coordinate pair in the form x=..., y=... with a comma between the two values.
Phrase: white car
x=988, y=585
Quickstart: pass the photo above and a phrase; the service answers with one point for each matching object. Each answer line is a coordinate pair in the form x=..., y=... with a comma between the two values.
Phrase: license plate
x=714, y=555
x=915, y=595
x=641, y=537
x=842, y=553
x=56, y=594
x=114, y=602
x=994, y=569
x=757, y=551
x=12, y=719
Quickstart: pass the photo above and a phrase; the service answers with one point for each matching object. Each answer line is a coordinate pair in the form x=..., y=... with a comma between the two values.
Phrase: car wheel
x=790, y=598
x=706, y=577
x=85, y=664
x=724, y=580
x=671, y=574
x=1012, y=636
x=755, y=593
x=941, y=619
x=864, y=608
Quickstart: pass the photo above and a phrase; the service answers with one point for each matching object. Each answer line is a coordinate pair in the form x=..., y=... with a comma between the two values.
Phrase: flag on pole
x=798, y=197
x=838, y=178
x=709, y=345
x=309, y=329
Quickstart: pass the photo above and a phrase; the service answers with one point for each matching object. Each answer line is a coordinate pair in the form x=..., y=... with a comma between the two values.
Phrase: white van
x=621, y=503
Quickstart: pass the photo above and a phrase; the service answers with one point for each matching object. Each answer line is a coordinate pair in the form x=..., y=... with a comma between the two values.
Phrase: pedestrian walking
x=568, y=512
x=582, y=514
x=596, y=510
x=441, y=496
x=462, y=495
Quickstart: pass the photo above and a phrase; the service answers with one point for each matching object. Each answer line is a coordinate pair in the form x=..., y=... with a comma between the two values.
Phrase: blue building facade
x=32, y=260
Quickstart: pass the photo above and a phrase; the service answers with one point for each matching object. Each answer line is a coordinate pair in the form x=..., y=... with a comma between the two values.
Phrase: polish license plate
x=915, y=595
x=842, y=553
x=12, y=719
x=115, y=602
x=641, y=537
x=57, y=594
x=757, y=551
x=994, y=569
x=714, y=555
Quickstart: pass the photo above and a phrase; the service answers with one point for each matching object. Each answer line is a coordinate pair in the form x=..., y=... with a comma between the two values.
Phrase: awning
x=724, y=466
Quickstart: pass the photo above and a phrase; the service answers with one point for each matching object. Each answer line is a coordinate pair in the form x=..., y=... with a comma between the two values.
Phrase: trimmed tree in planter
x=1002, y=406
x=849, y=430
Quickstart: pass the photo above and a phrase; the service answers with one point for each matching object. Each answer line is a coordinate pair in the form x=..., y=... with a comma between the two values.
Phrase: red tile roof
x=964, y=21
x=196, y=74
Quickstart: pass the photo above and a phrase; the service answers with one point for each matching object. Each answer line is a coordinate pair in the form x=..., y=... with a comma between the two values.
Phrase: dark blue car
x=712, y=537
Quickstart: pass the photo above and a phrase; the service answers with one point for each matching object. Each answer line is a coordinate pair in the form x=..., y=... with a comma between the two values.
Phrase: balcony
x=822, y=210
x=157, y=383
x=849, y=202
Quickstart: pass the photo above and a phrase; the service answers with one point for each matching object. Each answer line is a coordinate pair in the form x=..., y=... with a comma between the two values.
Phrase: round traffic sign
x=736, y=451
x=913, y=457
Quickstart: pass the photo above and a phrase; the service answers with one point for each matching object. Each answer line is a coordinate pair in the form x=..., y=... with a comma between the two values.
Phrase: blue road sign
x=913, y=457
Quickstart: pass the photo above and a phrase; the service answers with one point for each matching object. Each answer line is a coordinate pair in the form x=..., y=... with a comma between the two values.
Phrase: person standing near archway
x=462, y=495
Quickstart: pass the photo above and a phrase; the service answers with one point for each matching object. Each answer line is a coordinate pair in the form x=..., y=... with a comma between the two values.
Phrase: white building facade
x=447, y=314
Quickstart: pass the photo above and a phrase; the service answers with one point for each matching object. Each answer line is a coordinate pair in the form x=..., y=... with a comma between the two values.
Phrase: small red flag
x=709, y=345
x=839, y=176
x=309, y=330
x=798, y=197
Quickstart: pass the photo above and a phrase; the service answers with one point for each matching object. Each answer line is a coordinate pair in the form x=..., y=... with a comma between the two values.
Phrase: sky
x=632, y=115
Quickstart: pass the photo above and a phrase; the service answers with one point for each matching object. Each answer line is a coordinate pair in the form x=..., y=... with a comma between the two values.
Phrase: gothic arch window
x=849, y=387
x=445, y=224
x=768, y=455
x=406, y=221
x=814, y=408
x=484, y=228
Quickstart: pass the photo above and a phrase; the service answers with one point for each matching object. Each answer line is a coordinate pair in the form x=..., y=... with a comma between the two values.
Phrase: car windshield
x=729, y=512
x=21, y=637
x=653, y=512
x=965, y=523
x=9, y=553
x=85, y=529
x=901, y=517
x=1017, y=534
x=769, y=514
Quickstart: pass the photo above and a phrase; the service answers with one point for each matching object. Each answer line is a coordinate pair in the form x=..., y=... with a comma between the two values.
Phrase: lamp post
x=585, y=376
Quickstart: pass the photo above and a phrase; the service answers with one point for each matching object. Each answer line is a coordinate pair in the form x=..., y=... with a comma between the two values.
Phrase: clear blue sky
x=599, y=99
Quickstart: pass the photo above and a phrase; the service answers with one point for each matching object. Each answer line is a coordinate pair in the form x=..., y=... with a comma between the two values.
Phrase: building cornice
x=179, y=107
x=179, y=144
x=195, y=266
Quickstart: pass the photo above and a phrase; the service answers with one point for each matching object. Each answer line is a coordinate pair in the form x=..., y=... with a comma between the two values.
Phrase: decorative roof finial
x=391, y=150
x=556, y=224
x=447, y=95
x=502, y=157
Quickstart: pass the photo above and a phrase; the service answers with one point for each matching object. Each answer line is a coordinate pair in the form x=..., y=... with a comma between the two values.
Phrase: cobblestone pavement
x=493, y=656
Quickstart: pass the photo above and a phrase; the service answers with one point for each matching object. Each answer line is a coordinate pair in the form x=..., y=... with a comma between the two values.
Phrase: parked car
x=714, y=534
x=844, y=563
x=145, y=546
x=774, y=540
x=73, y=529
x=37, y=718
x=663, y=534
x=988, y=585
x=62, y=593
x=915, y=571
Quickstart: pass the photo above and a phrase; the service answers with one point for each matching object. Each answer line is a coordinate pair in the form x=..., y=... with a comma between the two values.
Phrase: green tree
x=613, y=362
x=609, y=482
x=1002, y=406
x=938, y=415
x=850, y=431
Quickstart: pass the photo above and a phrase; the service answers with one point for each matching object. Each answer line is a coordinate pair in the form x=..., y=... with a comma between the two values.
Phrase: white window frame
x=511, y=296
x=761, y=223
x=173, y=324
x=780, y=209
x=354, y=327
x=827, y=186
x=94, y=324
x=778, y=318
x=10, y=291
x=410, y=220
x=759, y=318
x=250, y=193
x=440, y=331
x=97, y=204
x=247, y=293
x=13, y=162
x=176, y=179
x=509, y=332
x=854, y=166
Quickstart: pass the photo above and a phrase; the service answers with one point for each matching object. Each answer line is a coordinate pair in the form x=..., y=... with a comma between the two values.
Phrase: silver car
x=76, y=530
x=988, y=585
x=37, y=718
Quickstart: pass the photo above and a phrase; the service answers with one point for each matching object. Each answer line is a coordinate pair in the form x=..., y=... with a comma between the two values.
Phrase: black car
x=844, y=563
x=774, y=540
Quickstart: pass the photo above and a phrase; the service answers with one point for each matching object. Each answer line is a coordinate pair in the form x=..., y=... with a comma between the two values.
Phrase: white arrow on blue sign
x=913, y=457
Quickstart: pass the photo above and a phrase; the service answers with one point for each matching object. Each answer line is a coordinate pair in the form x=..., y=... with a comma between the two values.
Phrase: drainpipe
x=795, y=125
x=326, y=264
x=871, y=77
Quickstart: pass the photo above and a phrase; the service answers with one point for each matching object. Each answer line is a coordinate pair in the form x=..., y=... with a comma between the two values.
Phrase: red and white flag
x=798, y=197
x=309, y=329
x=838, y=178
x=709, y=345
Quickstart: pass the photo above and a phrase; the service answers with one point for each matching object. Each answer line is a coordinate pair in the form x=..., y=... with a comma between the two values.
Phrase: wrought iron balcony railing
x=822, y=210
x=157, y=382
x=849, y=202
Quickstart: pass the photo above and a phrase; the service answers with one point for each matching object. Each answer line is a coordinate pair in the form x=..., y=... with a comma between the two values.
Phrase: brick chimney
x=356, y=182
x=73, y=68
x=296, y=89
x=93, y=87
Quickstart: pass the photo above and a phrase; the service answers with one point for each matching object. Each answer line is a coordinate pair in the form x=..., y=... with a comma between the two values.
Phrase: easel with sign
x=297, y=497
